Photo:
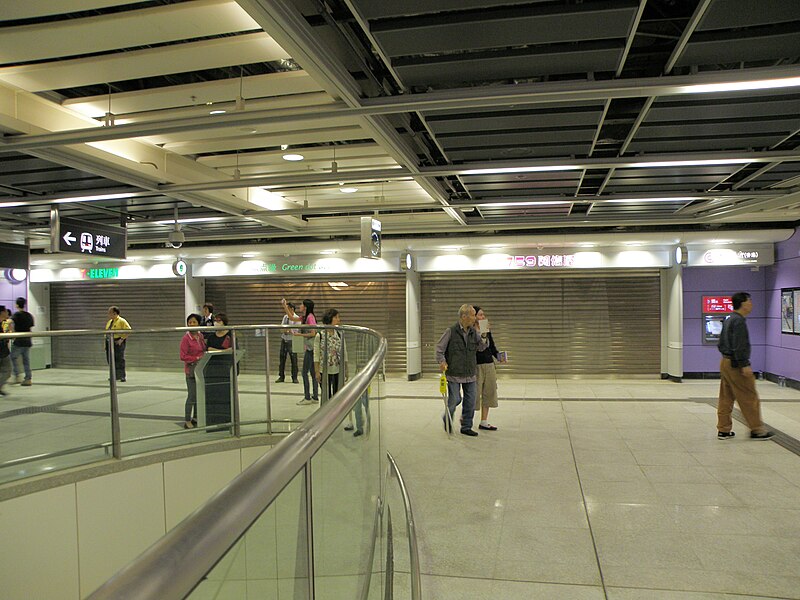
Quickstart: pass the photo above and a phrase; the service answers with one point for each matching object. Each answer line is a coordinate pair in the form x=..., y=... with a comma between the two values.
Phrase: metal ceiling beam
x=651, y=161
x=458, y=99
x=763, y=204
x=677, y=52
x=287, y=26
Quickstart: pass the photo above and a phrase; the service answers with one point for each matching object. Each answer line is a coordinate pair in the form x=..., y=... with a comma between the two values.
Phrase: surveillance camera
x=176, y=238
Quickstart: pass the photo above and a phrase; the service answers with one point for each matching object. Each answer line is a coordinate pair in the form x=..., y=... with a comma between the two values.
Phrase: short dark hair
x=327, y=318
x=114, y=309
x=221, y=317
x=3, y=307
x=209, y=306
x=21, y=302
x=290, y=305
x=196, y=317
x=739, y=298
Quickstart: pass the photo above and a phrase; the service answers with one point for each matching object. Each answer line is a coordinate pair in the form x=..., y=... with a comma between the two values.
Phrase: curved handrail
x=176, y=564
x=411, y=527
x=108, y=332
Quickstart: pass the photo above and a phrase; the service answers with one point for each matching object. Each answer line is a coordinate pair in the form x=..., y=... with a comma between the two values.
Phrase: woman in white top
x=336, y=356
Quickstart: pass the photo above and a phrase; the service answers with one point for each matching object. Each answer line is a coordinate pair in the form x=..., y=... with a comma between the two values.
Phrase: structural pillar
x=672, y=322
x=194, y=292
x=413, y=327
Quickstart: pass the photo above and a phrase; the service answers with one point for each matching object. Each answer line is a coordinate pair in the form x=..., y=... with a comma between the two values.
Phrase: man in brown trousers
x=737, y=381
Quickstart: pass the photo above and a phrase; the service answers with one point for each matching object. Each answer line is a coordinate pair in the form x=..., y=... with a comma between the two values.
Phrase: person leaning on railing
x=330, y=343
x=193, y=347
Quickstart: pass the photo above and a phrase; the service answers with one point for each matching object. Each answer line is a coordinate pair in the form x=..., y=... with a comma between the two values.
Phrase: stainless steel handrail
x=117, y=441
x=413, y=549
x=172, y=567
x=67, y=332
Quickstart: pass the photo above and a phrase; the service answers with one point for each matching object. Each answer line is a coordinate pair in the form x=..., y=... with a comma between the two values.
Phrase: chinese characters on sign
x=542, y=260
x=717, y=304
x=83, y=237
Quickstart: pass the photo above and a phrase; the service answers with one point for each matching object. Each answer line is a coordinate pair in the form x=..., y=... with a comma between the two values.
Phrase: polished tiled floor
x=590, y=489
x=601, y=489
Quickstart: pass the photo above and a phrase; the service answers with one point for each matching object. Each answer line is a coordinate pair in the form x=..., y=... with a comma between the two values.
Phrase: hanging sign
x=90, y=239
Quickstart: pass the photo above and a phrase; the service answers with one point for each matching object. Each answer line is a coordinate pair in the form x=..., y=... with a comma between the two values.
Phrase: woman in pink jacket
x=193, y=346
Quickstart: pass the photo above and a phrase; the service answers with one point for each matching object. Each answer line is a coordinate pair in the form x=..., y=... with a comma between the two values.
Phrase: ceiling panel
x=502, y=28
x=180, y=58
x=494, y=66
x=93, y=35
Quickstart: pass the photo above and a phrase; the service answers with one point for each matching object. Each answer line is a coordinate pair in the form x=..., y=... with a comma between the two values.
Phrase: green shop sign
x=100, y=273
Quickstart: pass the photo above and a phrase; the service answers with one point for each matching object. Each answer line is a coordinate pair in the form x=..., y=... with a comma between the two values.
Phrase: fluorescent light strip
x=513, y=204
x=630, y=200
x=500, y=171
x=191, y=220
x=740, y=86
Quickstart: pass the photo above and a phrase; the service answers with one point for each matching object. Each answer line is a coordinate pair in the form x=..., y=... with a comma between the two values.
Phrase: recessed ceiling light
x=328, y=252
x=250, y=255
x=348, y=190
x=634, y=244
x=217, y=111
x=293, y=157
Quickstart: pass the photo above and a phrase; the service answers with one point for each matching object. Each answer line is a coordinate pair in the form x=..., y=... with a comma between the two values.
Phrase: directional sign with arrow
x=89, y=239
x=68, y=238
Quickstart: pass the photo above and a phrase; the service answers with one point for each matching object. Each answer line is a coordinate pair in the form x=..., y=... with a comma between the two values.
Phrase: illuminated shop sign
x=717, y=304
x=542, y=261
x=99, y=273
x=276, y=267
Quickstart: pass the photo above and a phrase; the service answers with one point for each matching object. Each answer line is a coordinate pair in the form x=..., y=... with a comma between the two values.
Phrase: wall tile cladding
x=782, y=350
x=721, y=281
x=773, y=351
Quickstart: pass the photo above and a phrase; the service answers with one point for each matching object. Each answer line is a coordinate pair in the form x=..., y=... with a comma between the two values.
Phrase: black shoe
x=357, y=433
x=761, y=436
x=469, y=432
x=295, y=381
x=725, y=435
x=348, y=428
x=448, y=426
x=279, y=380
x=122, y=379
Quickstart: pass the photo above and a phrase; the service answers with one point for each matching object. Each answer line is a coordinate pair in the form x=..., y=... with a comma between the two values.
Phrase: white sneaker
x=305, y=402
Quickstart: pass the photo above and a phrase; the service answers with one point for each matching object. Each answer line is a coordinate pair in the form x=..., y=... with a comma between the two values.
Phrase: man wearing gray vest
x=455, y=353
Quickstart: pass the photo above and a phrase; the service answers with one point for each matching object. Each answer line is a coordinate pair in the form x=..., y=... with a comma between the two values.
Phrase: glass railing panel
x=271, y=561
x=346, y=475
x=252, y=380
x=65, y=414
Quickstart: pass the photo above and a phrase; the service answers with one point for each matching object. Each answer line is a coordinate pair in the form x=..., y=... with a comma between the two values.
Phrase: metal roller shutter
x=374, y=301
x=145, y=304
x=554, y=323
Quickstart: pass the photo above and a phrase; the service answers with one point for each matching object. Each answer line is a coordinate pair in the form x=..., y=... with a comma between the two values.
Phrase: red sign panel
x=717, y=304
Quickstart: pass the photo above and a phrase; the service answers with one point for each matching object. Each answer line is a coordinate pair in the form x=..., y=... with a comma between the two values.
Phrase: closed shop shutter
x=145, y=304
x=597, y=323
x=374, y=301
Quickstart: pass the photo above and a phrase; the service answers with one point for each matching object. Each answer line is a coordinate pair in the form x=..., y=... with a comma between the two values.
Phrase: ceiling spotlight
x=293, y=157
x=284, y=146
x=348, y=190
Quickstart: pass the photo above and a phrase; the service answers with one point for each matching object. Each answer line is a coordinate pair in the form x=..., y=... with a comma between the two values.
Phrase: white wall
x=62, y=543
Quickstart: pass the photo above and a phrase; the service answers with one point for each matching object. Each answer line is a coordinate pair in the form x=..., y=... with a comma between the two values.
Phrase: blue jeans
x=308, y=370
x=454, y=391
x=23, y=354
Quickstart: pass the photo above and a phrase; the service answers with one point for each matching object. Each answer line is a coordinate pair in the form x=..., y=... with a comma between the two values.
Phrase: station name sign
x=89, y=239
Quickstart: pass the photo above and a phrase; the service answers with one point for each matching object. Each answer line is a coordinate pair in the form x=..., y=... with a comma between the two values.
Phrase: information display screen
x=712, y=328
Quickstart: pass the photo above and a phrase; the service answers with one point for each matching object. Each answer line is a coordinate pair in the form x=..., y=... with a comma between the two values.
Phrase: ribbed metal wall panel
x=374, y=301
x=554, y=323
x=145, y=304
